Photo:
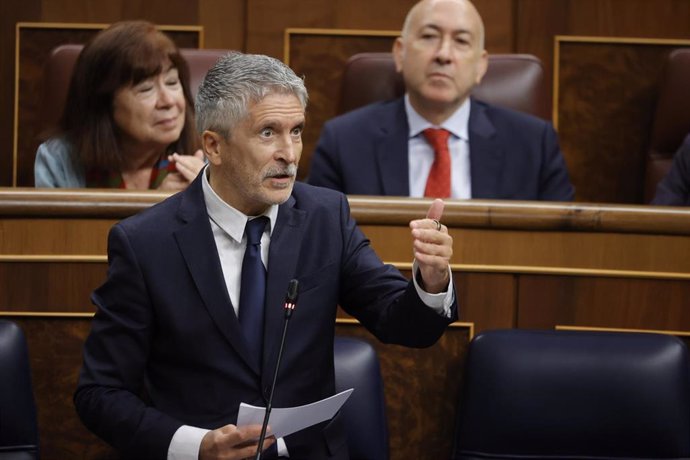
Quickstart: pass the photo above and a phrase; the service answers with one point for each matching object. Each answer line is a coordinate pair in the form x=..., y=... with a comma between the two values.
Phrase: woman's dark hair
x=126, y=53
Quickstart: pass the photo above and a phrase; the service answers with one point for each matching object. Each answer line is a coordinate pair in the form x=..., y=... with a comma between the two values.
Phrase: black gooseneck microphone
x=289, y=307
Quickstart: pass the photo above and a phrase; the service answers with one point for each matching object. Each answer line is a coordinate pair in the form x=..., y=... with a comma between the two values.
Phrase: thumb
x=199, y=154
x=435, y=210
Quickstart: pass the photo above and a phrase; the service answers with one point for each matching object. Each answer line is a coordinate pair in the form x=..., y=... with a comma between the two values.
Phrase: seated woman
x=128, y=120
x=674, y=188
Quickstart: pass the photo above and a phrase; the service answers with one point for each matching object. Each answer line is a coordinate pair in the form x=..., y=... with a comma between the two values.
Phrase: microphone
x=289, y=307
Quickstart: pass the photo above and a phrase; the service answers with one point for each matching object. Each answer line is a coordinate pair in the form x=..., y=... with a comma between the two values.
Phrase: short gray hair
x=236, y=81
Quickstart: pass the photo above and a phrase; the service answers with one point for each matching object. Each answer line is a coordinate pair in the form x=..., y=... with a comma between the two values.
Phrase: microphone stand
x=289, y=307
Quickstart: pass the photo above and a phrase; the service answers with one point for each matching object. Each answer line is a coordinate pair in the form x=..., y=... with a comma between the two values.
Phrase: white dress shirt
x=421, y=154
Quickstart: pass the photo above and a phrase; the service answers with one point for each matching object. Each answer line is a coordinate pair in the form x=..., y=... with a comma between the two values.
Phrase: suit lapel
x=486, y=154
x=391, y=150
x=286, y=242
x=196, y=243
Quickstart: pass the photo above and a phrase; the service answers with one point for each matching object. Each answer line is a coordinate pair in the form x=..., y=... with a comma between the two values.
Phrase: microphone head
x=293, y=291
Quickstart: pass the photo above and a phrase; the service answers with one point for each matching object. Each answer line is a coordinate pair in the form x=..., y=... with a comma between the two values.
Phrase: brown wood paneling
x=421, y=389
x=265, y=30
x=607, y=95
x=50, y=286
x=41, y=237
x=537, y=22
x=224, y=23
x=157, y=11
x=11, y=12
x=547, y=301
x=627, y=18
x=499, y=24
x=488, y=300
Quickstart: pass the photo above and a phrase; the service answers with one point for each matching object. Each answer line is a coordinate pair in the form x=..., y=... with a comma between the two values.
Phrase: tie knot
x=255, y=229
x=437, y=137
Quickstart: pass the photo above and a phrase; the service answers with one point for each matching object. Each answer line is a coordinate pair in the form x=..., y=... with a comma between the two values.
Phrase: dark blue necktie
x=253, y=288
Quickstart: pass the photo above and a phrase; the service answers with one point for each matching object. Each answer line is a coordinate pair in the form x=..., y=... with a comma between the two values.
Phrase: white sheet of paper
x=285, y=421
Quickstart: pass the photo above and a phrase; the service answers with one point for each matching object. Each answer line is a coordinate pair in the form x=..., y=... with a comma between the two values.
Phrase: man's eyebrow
x=438, y=29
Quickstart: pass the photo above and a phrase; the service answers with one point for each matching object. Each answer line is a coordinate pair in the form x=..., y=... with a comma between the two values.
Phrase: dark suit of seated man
x=674, y=188
x=175, y=316
x=495, y=153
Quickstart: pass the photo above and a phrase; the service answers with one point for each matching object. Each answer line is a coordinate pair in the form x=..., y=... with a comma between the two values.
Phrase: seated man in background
x=182, y=317
x=437, y=141
x=674, y=188
x=128, y=120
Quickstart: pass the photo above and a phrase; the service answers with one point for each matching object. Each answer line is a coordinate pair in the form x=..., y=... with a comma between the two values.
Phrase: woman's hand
x=187, y=168
x=188, y=165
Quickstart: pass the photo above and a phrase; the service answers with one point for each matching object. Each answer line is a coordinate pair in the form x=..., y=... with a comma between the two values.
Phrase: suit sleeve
x=108, y=398
x=382, y=299
x=554, y=181
x=325, y=169
x=674, y=188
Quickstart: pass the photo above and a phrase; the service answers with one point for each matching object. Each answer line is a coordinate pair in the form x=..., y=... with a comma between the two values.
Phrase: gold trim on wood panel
x=96, y=26
x=66, y=25
x=33, y=314
x=558, y=39
x=527, y=270
x=621, y=40
x=334, y=32
x=61, y=258
x=560, y=327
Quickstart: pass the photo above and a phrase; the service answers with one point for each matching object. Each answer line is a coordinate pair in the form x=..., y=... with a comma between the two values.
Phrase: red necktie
x=438, y=182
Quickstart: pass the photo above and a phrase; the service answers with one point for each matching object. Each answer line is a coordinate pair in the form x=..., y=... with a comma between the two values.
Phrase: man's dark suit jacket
x=513, y=156
x=165, y=325
x=674, y=188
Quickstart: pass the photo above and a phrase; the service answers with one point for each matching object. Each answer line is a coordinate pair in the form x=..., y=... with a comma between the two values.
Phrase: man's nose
x=443, y=52
x=288, y=149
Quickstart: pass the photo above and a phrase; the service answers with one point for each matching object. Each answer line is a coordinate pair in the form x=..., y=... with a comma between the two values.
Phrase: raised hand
x=433, y=248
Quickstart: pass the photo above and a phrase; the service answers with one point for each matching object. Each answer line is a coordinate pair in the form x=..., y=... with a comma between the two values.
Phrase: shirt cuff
x=186, y=442
x=282, y=448
x=442, y=302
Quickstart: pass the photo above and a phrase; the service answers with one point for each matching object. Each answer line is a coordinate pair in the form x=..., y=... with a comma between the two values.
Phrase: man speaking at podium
x=189, y=320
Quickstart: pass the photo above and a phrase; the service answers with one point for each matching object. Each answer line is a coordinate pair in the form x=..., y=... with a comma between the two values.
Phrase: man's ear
x=212, y=142
x=482, y=66
x=398, y=53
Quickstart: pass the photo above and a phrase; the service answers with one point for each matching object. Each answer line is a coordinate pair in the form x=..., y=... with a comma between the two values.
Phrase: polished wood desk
x=516, y=264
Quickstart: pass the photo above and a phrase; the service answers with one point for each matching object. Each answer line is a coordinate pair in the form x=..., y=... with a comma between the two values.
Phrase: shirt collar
x=457, y=123
x=228, y=218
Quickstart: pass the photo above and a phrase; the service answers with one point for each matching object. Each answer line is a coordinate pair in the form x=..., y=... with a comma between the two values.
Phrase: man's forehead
x=277, y=108
x=435, y=13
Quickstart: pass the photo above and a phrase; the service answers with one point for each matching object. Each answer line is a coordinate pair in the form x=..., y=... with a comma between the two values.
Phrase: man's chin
x=279, y=195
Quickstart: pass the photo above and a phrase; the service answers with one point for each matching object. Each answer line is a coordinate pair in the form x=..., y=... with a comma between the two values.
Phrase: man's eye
x=266, y=132
x=297, y=131
x=428, y=34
